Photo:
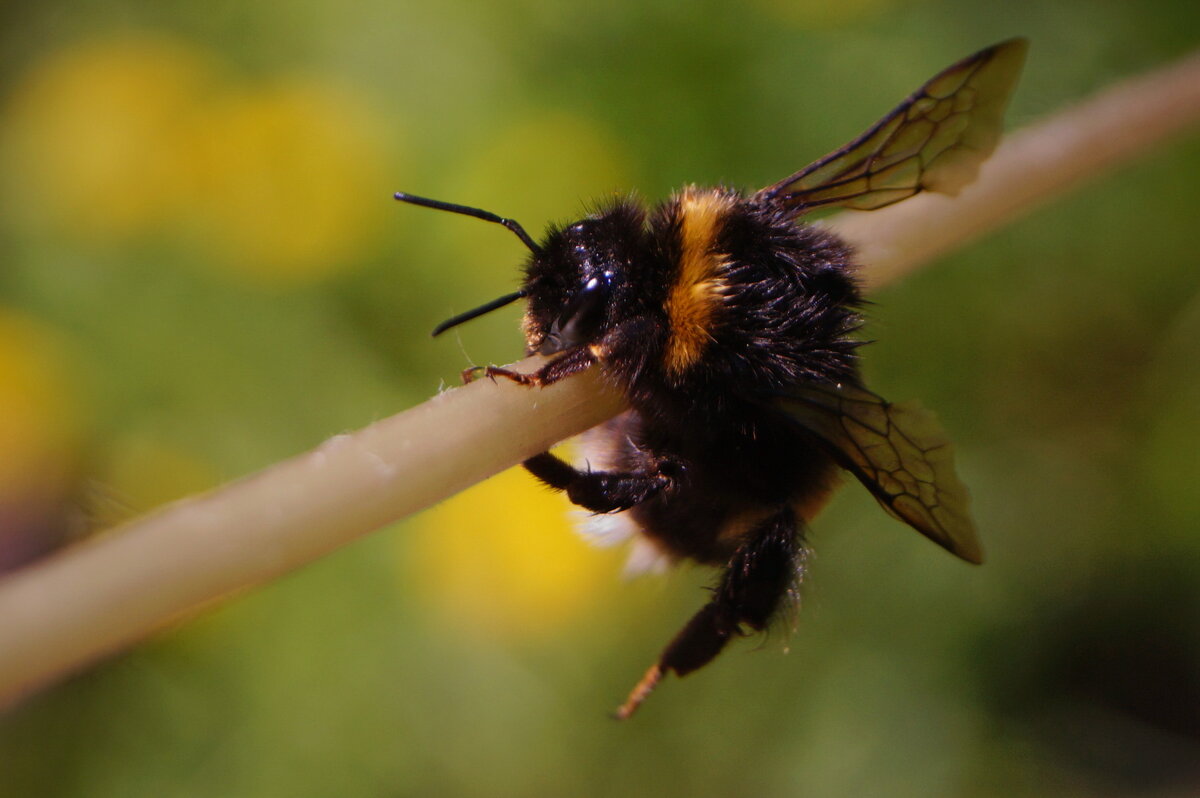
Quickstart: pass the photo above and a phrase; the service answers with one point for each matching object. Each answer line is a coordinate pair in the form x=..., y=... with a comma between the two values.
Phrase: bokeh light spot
x=39, y=424
x=98, y=135
x=502, y=559
x=289, y=180
x=147, y=137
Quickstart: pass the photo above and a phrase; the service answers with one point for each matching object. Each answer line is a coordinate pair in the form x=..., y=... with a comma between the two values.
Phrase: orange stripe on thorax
x=695, y=297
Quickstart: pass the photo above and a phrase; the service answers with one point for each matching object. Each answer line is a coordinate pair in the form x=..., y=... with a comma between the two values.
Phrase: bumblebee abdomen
x=729, y=475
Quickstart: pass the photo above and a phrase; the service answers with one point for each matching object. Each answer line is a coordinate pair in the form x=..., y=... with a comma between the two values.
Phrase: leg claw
x=492, y=372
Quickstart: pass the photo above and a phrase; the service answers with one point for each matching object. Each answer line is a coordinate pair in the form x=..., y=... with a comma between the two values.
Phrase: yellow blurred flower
x=39, y=423
x=145, y=135
x=289, y=179
x=98, y=134
x=503, y=560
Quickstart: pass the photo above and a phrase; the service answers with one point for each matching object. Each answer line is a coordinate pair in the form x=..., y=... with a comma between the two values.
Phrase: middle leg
x=601, y=491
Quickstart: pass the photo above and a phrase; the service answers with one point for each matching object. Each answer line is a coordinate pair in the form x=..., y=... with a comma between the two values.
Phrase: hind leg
x=755, y=582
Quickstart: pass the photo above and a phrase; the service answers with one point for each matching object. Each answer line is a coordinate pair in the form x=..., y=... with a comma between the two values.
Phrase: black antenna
x=478, y=213
x=454, y=321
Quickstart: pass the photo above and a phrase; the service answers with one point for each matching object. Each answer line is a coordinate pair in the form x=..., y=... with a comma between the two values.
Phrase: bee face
x=578, y=280
x=582, y=317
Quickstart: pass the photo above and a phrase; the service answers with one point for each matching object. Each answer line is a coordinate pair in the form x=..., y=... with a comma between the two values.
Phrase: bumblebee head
x=572, y=280
x=579, y=321
x=576, y=282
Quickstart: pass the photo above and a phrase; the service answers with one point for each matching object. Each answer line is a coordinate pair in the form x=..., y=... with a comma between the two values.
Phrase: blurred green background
x=202, y=272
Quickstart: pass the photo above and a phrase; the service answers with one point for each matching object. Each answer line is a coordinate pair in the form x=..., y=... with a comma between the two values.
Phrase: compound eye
x=583, y=315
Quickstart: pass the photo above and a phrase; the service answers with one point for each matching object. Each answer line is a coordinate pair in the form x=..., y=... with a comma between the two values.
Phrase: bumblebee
x=729, y=325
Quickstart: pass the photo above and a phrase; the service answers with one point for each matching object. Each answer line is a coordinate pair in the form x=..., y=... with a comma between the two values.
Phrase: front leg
x=564, y=365
x=601, y=491
x=632, y=340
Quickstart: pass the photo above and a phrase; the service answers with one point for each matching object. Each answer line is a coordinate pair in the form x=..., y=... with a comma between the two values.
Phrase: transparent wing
x=933, y=141
x=899, y=452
